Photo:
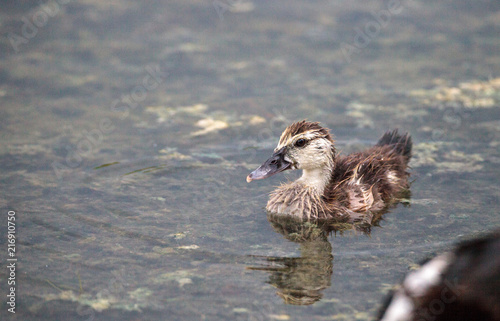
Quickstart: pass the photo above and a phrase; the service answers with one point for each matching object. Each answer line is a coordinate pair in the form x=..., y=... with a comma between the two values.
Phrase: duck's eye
x=300, y=142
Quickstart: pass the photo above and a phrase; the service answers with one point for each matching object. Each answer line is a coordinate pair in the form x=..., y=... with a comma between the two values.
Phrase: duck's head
x=303, y=145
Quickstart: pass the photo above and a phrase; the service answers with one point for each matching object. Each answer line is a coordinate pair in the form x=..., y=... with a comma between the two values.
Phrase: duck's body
x=334, y=186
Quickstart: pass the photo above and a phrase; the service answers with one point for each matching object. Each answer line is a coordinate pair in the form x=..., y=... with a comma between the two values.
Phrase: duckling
x=331, y=185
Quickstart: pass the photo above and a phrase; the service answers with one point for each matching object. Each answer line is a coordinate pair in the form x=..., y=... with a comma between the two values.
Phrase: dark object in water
x=461, y=285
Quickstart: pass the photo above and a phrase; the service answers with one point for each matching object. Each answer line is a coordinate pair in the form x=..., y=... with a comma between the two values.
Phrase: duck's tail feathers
x=402, y=143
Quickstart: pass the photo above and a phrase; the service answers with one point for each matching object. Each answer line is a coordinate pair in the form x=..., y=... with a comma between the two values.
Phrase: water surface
x=128, y=130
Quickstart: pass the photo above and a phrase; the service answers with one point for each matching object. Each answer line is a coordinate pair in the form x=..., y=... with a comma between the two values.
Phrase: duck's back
x=370, y=179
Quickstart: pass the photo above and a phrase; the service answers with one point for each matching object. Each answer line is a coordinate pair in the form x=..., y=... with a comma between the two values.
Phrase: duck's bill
x=272, y=166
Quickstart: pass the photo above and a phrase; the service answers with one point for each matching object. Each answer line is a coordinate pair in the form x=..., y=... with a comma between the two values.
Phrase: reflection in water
x=300, y=280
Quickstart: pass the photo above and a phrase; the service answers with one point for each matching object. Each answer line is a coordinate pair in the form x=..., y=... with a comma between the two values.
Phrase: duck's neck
x=319, y=175
x=317, y=178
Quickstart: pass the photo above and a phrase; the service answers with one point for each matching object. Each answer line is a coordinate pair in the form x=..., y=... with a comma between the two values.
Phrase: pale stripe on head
x=302, y=129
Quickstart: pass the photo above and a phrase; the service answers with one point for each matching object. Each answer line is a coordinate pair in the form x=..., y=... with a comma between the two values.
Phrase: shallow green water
x=128, y=130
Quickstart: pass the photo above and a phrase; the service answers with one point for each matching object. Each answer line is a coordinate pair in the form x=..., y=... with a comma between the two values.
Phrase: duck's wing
x=366, y=181
x=363, y=197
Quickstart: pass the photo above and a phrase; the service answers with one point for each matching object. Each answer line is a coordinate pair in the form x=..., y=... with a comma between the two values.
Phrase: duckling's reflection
x=300, y=280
